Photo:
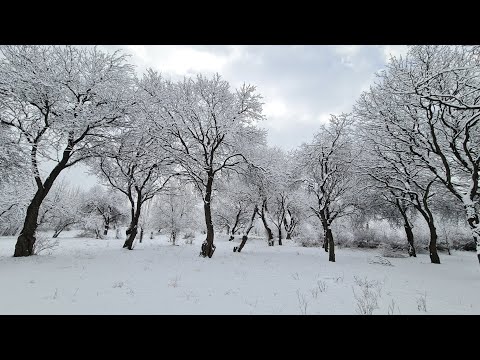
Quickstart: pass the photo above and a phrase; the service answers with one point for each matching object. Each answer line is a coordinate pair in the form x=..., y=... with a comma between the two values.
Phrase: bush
x=43, y=243
x=307, y=241
x=189, y=236
x=392, y=251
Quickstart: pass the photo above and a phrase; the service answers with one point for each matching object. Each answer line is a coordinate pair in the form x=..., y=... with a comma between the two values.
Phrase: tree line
x=409, y=148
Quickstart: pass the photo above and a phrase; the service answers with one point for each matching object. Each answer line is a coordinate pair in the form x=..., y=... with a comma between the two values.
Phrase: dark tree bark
x=407, y=227
x=325, y=241
x=245, y=236
x=237, y=220
x=411, y=247
x=289, y=226
x=328, y=242
x=432, y=247
x=107, y=225
x=474, y=223
x=331, y=245
x=141, y=234
x=59, y=230
x=133, y=227
x=280, y=235
x=428, y=216
x=265, y=224
x=26, y=240
x=208, y=247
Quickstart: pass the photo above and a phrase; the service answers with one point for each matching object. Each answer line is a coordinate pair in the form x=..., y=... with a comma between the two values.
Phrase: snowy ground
x=87, y=276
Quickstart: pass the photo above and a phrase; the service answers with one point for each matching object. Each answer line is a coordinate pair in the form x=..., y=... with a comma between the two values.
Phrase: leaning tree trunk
x=59, y=230
x=265, y=224
x=133, y=227
x=245, y=236
x=26, y=240
x=408, y=229
x=208, y=248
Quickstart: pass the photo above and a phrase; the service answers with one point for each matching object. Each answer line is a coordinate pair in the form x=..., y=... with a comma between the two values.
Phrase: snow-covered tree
x=208, y=128
x=56, y=100
x=130, y=166
x=102, y=208
x=430, y=104
x=176, y=210
x=61, y=208
x=231, y=208
x=326, y=168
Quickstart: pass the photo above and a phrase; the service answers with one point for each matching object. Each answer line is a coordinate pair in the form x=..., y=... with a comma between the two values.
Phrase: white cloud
x=347, y=50
x=274, y=108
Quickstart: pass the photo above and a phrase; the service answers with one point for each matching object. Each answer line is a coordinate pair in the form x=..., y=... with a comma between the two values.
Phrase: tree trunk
x=407, y=226
x=133, y=227
x=107, y=226
x=280, y=234
x=325, y=238
x=173, y=236
x=432, y=247
x=474, y=223
x=131, y=234
x=207, y=247
x=242, y=244
x=427, y=215
x=289, y=226
x=141, y=234
x=237, y=218
x=58, y=231
x=331, y=245
x=26, y=240
x=245, y=236
x=411, y=247
x=264, y=221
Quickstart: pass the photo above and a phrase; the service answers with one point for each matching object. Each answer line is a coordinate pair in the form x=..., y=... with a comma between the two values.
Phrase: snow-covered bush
x=44, y=243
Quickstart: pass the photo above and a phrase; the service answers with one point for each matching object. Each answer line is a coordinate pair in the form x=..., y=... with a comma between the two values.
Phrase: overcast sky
x=301, y=85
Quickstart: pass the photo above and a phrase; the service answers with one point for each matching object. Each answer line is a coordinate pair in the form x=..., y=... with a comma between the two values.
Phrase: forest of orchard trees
x=191, y=155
